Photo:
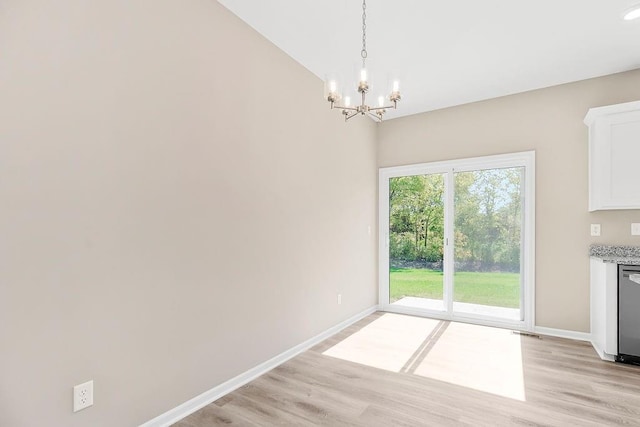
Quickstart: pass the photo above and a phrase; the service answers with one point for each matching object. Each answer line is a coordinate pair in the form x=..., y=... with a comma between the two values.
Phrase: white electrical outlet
x=595, y=229
x=635, y=228
x=82, y=396
x=339, y=299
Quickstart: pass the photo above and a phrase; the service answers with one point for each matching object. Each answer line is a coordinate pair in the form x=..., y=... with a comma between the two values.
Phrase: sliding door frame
x=523, y=159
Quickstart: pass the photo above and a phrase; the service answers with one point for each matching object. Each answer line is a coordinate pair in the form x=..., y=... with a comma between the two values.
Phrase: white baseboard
x=562, y=333
x=176, y=414
x=604, y=356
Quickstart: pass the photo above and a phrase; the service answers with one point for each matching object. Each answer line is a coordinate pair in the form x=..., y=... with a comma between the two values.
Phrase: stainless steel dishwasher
x=629, y=314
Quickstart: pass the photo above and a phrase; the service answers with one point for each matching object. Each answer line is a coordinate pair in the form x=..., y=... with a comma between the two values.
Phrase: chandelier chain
x=363, y=52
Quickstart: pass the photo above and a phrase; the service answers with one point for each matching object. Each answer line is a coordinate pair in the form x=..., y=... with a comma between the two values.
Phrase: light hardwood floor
x=393, y=370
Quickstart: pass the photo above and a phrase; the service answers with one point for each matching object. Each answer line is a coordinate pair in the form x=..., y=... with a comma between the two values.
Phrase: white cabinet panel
x=614, y=150
x=604, y=308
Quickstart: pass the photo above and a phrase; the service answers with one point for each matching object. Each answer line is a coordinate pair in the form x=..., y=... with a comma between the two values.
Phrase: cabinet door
x=614, y=154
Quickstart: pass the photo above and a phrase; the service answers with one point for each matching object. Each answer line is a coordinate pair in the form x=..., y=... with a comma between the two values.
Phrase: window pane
x=416, y=236
x=488, y=228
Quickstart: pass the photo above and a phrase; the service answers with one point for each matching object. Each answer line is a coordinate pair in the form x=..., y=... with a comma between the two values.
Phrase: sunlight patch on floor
x=478, y=357
x=386, y=343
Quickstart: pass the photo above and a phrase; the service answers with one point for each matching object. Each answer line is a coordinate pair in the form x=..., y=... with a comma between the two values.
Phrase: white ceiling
x=452, y=52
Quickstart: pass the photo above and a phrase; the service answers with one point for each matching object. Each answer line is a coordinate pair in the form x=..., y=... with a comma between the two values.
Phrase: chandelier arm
x=381, y=108
x=346, y=108
x=348, y=116
x=376, y=117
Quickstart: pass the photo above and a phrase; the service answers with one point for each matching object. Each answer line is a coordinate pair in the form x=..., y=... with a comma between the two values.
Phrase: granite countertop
x=616, y=254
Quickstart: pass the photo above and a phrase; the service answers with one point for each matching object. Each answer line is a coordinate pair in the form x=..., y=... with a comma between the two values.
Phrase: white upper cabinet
x=614, y=156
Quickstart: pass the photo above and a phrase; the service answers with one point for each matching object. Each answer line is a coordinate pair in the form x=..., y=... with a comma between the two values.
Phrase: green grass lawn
x=495, y=289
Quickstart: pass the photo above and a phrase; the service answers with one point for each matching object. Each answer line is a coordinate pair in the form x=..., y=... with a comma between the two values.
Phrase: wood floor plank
x=449, y=379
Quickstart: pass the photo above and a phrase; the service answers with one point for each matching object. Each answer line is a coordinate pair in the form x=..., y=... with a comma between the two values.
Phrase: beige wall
x=164, y=226
x=549, y=121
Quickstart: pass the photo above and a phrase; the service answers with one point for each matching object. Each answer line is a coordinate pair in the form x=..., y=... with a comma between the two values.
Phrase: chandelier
x=334, y=96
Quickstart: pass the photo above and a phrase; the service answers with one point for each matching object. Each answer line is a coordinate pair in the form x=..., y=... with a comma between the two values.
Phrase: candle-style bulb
x=332, y=88
x=363, y=75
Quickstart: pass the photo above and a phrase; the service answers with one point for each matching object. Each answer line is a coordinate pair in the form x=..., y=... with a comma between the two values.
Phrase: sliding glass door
x=457, y=239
